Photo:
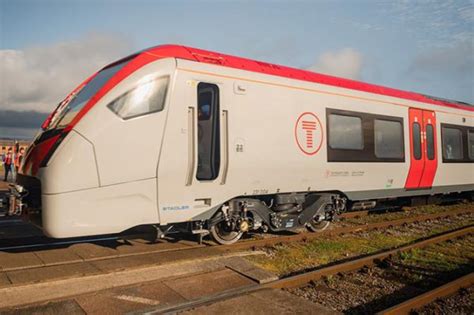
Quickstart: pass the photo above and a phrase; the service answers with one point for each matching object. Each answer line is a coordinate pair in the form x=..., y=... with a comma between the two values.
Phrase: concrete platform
x=270, y=301
x=153, y=296
x=29, y=287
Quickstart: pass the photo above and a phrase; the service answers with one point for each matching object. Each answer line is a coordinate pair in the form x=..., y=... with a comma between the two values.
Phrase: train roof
x=204, y=56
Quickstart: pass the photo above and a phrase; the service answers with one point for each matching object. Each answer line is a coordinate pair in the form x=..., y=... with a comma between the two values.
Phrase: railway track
x=343, y=230
x=172, y=246
x=345, y=266
x=421, y=300
x=42, y=242
x=175, y=255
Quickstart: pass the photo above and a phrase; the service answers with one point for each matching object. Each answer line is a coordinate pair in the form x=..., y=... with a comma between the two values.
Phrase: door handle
x=191, y=147
x=225, y=151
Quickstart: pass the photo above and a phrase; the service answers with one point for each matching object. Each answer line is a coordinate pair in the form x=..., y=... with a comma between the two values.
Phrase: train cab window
x=86, y=93
x=148, y=97
x=345, y=132
x=452, y=143
x=388, y=139
x=416, y=141
x=470, y=140
x=208, y=132
x=430, y=151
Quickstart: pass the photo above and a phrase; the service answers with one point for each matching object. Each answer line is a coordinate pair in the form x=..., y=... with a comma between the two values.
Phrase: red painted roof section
x=210, y=57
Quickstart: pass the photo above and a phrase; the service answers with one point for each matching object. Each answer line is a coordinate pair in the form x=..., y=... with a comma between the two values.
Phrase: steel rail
x=423, y=299
x=342, y=230
x=355, y=264
x=302, y=279
x=58, y=243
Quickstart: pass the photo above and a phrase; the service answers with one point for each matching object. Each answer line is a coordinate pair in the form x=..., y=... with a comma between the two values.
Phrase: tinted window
x=388, y=139
x=148, y=97
x=470, y=135
x=416, y=141
x=345, y=132
x=452, y=143
x=87, y=93
x=430, y=142
x=208, y=132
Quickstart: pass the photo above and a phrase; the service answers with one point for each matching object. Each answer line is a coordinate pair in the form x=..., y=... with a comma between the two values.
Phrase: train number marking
x=308, y=133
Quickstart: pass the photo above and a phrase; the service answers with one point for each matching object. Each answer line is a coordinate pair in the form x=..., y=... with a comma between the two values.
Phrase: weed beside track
x=288, y=258
x=394, y=280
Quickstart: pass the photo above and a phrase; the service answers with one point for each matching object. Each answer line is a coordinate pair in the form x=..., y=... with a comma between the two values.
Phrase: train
x=176, y=137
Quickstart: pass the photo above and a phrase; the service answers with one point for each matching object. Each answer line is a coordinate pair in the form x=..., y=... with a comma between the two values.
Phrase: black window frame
x=430, y=142
x=464, y=144
x=470, y=154
x=367, y=154
x=416, y=140
x=204, y=87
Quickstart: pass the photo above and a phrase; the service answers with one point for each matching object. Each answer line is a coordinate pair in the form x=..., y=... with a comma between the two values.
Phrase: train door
x=423, y=152
x=194, y=161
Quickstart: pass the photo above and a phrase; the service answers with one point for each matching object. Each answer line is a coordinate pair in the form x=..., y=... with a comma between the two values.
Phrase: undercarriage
x=276, y=213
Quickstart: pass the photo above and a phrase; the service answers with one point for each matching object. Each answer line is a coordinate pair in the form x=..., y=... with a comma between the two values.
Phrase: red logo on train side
x=309, y=133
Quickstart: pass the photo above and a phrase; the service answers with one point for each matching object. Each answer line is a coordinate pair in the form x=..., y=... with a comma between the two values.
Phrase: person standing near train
x=12, y=165
x=7, y=163
x=19, y=159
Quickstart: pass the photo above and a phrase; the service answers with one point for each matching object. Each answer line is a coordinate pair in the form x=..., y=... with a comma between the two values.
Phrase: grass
x=289, y=258
x=446, y=256
x=428, y=209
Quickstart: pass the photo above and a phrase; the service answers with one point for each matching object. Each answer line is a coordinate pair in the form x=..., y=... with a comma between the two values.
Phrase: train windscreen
x=72, y=106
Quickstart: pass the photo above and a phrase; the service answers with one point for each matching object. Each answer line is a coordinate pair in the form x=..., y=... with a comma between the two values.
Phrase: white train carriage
x=175, y=135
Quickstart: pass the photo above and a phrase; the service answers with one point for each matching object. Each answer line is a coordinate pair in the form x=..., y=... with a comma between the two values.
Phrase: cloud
x=21, y=119
x=345, y=63
x=456, y=61
x=449, y=71
x=37, y=78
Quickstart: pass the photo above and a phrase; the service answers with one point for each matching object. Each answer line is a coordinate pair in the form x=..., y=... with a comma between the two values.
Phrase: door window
x=430, y=142
x=208, y=132
x=416, y=141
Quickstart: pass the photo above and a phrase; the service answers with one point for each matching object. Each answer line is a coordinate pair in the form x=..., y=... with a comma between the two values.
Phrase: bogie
x=285, y=212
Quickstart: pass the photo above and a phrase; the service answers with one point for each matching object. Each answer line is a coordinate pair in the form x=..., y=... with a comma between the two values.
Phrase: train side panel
x=263, y=152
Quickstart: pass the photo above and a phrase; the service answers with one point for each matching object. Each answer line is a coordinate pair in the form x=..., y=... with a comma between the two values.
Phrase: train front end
x=74, y=179
x=59, y=158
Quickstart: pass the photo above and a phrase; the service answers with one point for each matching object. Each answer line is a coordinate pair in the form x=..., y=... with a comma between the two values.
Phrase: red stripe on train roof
x=210, y=57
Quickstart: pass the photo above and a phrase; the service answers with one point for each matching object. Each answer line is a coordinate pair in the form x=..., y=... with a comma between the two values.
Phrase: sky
x=47, y=47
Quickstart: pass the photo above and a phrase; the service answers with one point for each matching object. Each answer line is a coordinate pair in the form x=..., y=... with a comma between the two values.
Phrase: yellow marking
x=137, y=299
x=316, y=91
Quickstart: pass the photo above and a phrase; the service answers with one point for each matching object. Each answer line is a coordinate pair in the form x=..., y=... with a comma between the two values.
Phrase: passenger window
x=430, y=142
x=470, y=136
x=345, y=132
x=452, y=143
x=148, y=97
x=416, y=141
x=388, y=139
x=208, y=132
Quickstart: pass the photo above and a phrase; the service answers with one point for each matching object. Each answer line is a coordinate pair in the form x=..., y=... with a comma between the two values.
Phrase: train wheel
x=222, y=234
x=317, y=226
